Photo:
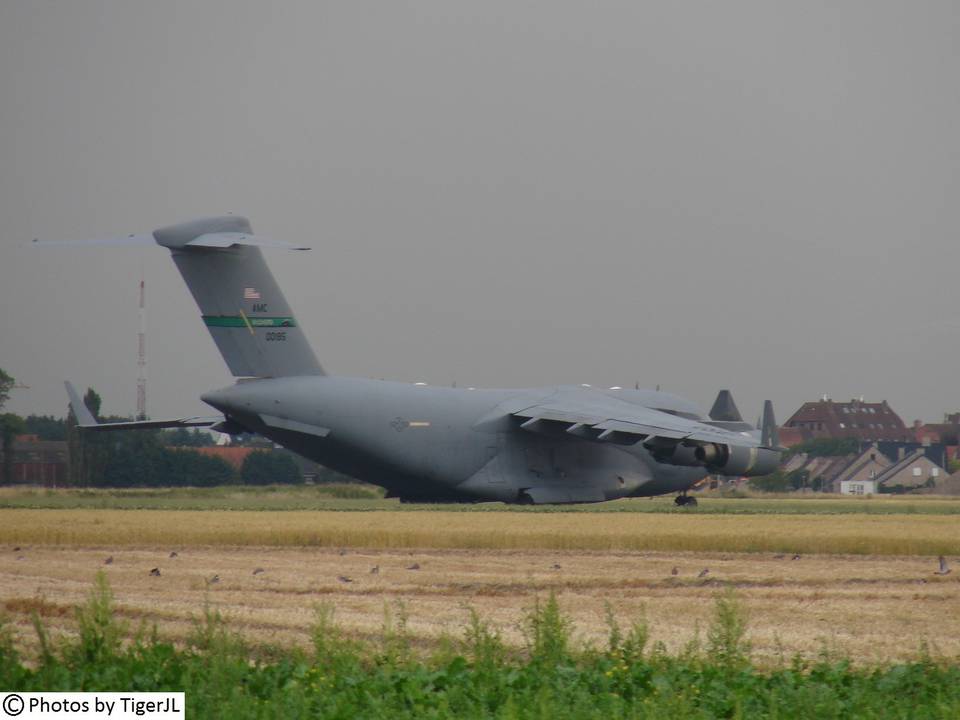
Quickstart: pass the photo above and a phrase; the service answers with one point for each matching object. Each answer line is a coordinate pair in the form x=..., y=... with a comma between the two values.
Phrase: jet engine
x=738, y=460
x=733, y=460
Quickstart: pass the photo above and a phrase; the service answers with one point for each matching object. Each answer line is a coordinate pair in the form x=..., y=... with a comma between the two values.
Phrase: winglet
x=81, y=411
x=769, y=435
x=725, y=409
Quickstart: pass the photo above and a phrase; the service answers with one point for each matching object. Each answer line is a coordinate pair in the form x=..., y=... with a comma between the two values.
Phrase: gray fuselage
x=435, y=443
x=542, y=445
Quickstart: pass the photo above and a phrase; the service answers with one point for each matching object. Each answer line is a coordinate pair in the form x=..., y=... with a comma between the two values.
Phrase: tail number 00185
x=276, y=336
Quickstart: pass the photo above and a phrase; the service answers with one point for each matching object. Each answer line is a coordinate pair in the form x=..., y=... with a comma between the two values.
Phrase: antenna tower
x=142, y=356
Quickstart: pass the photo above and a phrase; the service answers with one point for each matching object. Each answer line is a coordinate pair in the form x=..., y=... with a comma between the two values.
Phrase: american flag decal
x=251, y=294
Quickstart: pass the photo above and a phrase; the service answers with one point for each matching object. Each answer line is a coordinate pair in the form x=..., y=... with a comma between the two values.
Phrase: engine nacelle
x=739, y=460
x=733, y=460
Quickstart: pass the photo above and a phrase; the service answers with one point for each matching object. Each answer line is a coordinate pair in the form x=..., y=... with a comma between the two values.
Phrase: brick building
x=946, y=433
x=39, y=462
x=855, y=419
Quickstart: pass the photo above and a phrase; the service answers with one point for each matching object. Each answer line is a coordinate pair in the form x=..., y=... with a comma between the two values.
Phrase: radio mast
x=142, y=355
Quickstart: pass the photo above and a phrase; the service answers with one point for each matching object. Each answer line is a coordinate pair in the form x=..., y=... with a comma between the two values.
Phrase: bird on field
x=108, y=561
x=173, y=554
x=415, y=566
x=779, y=557
x=796, y=557
x=155, y=572
x=344, y=579
x=214, y=580
x=375, y=570
x=675, y=571
x=704, y=573
x=343, y=552
x=258, y=571
x=17, y=549
x=556, y=566
x=944, y=568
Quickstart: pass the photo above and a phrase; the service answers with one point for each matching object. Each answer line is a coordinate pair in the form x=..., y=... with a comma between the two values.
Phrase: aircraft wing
x=156, y=424
x=607, y=419
x=669, y=438
x=86, y=420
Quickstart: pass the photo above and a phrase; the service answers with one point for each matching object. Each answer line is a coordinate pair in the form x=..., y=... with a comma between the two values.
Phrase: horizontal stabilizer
x=210, y=240
x=139, y=239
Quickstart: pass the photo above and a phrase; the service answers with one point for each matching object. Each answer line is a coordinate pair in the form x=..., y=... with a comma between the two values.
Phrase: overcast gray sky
x=754, y=195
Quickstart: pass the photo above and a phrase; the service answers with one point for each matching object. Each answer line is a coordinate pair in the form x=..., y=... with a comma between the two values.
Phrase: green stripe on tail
x=238, y=321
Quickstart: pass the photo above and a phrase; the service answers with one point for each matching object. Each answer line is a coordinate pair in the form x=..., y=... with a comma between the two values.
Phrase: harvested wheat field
x=873, y=608
x=888, y=534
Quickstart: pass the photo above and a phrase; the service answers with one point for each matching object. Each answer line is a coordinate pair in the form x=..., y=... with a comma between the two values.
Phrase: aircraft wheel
x=691, y=502
x=680, y=500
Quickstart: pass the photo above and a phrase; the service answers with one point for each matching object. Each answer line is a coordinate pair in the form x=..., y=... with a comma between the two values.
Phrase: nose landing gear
x=684, y=500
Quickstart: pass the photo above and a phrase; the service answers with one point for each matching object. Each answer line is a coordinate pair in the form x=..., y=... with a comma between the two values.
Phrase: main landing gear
x=684, y=500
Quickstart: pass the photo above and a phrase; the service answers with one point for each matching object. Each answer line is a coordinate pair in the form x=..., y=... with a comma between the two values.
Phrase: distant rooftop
x=854, y=419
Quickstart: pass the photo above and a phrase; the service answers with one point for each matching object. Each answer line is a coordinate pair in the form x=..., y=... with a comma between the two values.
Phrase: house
x=946, y=433
x=820, y=471
x=859, y=477
x=39, y=462
x=791, y=436
x=896, y=451
x=914, y=471
x=855, y=419
x=871, y=470
x=858, y=487
x=947, y=486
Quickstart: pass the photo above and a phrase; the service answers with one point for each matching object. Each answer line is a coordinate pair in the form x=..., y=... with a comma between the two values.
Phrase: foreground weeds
x=477, y=676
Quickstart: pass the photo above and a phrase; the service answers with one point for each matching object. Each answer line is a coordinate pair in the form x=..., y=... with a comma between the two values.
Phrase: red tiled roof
x=233, y=455
x=854, y=419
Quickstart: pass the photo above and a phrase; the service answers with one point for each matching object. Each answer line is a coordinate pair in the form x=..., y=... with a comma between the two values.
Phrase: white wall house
x=858, y=487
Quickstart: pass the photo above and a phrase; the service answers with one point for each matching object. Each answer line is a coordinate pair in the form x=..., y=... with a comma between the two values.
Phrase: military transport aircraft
x=424, y=443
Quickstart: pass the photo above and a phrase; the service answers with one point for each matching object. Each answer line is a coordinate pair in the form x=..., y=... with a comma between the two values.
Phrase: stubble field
x=864, y=584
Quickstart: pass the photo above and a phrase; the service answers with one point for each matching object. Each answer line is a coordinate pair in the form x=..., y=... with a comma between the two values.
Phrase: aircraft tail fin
x=240, y=302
